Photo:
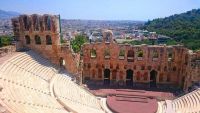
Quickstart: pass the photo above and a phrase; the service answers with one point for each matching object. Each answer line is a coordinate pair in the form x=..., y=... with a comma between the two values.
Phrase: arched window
x=48, y=40
x=107, y=53
x=130, y=56
x=93, y=53
x=121, y=54
x=170, y=54
x=62, y=62
x=26, y=23
x=28, y=39
x=153, y=78
x=155, y=54
x=108, y=37
x=129, y=77
x=37, y=39
x=48, y=23
x=36, y=22
x=140, y=53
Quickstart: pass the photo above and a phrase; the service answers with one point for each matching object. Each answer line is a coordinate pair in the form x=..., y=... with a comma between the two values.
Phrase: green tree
x=5, y=40
x=183, y=28
x=77, y=43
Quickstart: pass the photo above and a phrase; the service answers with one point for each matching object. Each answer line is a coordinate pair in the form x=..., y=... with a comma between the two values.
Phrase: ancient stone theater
x=46, y=76
x=110, y=63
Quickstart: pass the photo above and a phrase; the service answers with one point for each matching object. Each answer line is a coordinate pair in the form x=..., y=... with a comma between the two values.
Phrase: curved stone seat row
x=75, y=97
x=189, y=103
x=27, y=87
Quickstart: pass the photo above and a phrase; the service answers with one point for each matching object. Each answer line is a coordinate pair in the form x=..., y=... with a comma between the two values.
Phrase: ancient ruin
x=152, y=65
x=46, y=76
x=107, y=62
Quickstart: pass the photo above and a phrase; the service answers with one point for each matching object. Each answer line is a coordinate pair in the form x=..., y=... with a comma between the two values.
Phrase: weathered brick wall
x=169, y=70
x=43, y=26
x=171, y=65
x=193, y=69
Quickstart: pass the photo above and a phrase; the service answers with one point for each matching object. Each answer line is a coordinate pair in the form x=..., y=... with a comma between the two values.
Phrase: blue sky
x=102, y=9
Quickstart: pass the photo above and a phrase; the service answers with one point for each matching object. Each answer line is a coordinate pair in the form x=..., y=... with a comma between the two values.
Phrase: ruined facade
x=149, y=65
x=107, y=62
x=42, y=34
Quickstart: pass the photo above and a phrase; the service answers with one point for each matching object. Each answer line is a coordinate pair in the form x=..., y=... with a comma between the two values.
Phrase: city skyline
x=102, y=10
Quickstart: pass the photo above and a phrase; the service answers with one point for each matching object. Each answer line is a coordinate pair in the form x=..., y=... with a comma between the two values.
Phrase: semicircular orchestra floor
x=132, y=101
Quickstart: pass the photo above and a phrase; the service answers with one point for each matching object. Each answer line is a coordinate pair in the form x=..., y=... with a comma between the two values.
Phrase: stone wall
x=41, y=33
x=193, y=69
x=167, y=63
x=107, y=62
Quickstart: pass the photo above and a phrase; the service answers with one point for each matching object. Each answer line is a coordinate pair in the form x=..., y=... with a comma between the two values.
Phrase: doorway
x=153, y=76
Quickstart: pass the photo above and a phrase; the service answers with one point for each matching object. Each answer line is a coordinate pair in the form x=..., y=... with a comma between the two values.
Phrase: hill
x=183, y=28
x=8, y=14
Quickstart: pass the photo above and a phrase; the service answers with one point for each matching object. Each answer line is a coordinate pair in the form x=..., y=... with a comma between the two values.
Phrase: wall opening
x=47, y=23
x=93, y=53
x=153, y=76
x=62, y=62
x=28, y=39
x=129, y=77
x=26, y=23
x=130, y=56
x=48, y=40
x=37, y=40
x=106, y=76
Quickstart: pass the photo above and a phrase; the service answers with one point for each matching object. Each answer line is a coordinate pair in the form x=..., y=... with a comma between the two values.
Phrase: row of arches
x=36, y=21
x=38, y=39
x=129, y=77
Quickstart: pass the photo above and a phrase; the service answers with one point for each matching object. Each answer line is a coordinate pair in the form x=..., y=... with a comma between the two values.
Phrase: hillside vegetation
x=183, y=28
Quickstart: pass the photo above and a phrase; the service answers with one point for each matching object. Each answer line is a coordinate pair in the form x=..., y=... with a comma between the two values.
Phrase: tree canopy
x=183, y=28
x=5, y=40
x=78, y=42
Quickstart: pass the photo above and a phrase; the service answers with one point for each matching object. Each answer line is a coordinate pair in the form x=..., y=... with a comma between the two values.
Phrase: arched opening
x=153, y=75
x=108, y=38
x=129, y=77
x=130, y=56
x=26, y=23
x=93, y=53
x=37, y=39
x=107, y=76
x=62, y=62
x=121, y=54
x=28, y=39
x=48, y=40
x=107, y=53
x=48, y=23
x=140, y=54
x=36, y=23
